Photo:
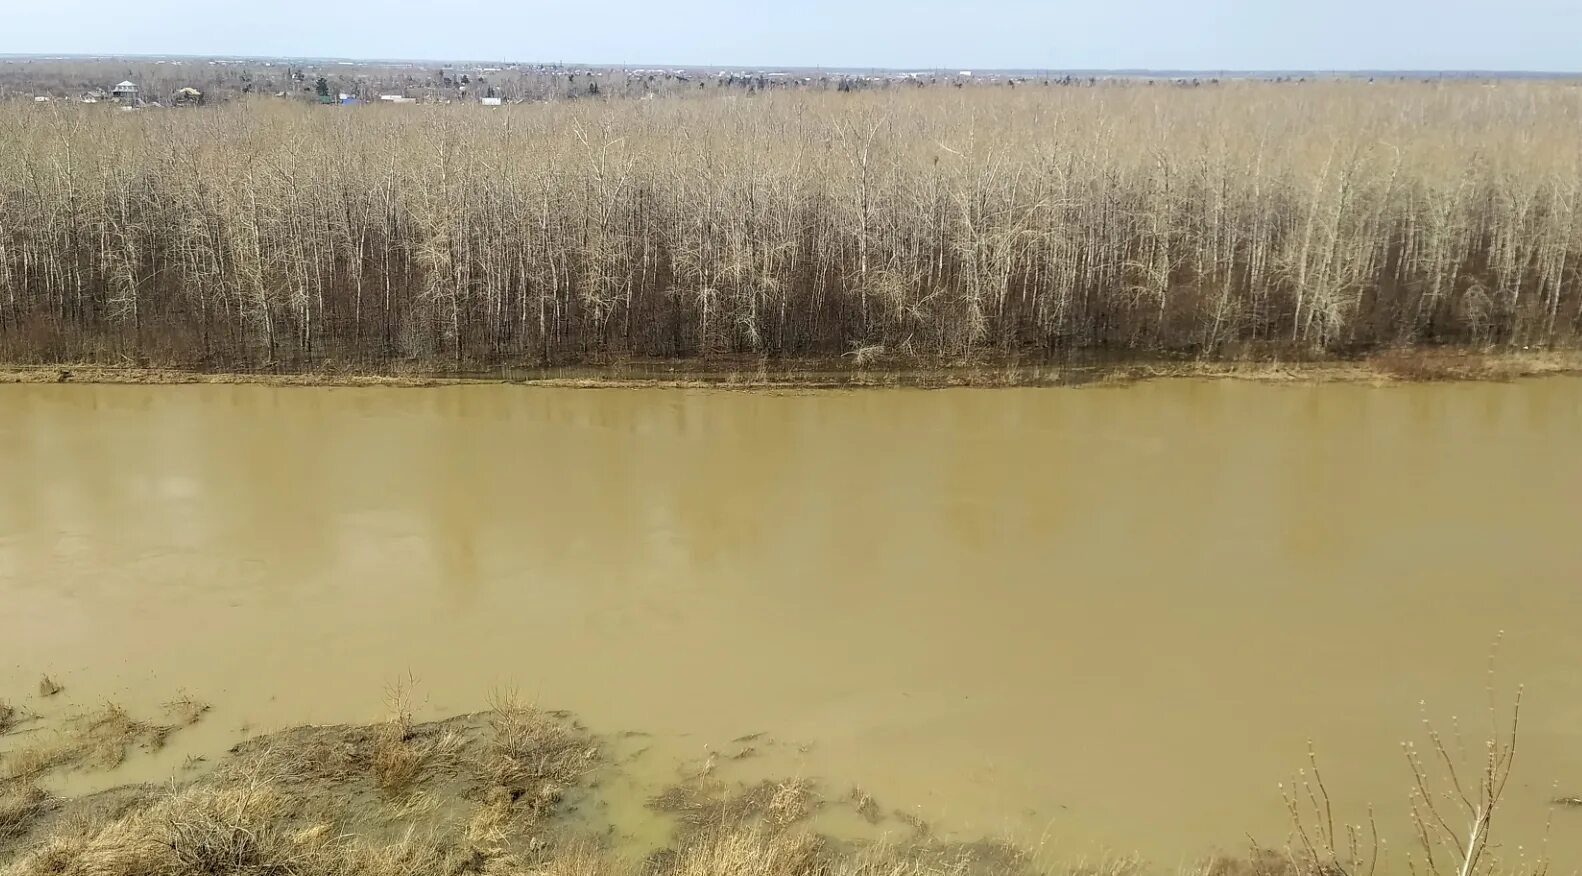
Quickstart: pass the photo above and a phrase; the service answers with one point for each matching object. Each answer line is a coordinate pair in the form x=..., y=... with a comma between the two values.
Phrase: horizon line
x=696, y=66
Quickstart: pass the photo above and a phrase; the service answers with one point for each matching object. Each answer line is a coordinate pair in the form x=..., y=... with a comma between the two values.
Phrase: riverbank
x=513, y=790
x=1382, y=368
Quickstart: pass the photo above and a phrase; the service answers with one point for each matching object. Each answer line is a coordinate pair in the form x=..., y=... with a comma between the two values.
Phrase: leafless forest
x=942, y=223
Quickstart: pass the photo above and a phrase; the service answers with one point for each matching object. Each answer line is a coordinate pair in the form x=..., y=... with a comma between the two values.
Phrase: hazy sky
x=1193, y=34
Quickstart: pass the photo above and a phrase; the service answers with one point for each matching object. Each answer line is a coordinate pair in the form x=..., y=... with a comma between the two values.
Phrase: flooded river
x=1103, y=619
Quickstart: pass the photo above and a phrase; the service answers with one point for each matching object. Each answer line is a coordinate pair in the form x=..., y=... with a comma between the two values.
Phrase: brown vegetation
x=186, y=711
x=21, y=803
x=905, y=226
x=712, y=806
x=482, y=794
x=534, y=757
x=98, y=740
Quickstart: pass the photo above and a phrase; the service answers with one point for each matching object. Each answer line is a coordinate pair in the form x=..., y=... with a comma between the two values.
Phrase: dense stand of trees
x=959, y=222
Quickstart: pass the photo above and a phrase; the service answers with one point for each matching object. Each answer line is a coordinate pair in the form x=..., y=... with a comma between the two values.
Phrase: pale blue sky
x=1158, y=34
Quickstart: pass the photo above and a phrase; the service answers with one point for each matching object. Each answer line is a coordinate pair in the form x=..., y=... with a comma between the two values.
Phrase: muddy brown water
x=1103, y=620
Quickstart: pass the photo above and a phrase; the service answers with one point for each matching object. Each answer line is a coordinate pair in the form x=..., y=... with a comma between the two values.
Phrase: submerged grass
x=705, y=805
x=97, y=740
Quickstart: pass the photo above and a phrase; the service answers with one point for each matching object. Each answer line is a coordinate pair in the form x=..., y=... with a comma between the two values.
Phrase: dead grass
x=21, y=803
x=109, y=374
x=186, y=711
x=706, y=805
x=99, y=740
x=48, y=687
x=533, y=756
x=1439, y=365
x=396, y=759
x=9, y=717
x=236, y=829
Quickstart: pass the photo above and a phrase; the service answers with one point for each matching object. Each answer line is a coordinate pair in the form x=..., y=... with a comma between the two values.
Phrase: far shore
x=1396, y=366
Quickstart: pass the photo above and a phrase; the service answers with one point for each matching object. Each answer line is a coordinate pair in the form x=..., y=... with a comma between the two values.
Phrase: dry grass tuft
x=791, y=802
x=757, y=853
x=534, y=756
x=396, y=759
x=48, y=687
x=399, y=755
x=21, y=803
x=490, y=821
x=9, y=717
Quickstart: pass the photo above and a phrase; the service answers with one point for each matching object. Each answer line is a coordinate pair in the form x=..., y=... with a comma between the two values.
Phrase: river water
x=1100, y=619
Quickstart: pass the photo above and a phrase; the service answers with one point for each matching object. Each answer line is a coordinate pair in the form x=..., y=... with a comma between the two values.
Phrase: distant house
x=41, y=99
x=187, y=97
x=490, y=101
x=125, y=92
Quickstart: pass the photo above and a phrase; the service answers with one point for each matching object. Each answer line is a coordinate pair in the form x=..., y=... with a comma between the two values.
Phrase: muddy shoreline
x=1414, y=365
x=510, y=790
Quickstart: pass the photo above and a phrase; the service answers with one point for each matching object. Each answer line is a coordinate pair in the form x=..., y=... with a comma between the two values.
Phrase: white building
x=126, y=92
x=490, y=101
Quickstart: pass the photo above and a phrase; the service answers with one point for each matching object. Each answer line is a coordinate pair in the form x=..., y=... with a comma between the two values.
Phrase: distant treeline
x=222, y=80
x=1323, y=217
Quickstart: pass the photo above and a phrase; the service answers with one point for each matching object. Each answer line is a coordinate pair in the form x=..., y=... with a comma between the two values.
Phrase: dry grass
x=707, y=805
x=1266, y=366
x=532, y=756
x=48, y=687
x=99, y=740
x=396, y=759
x=9, y=717
x=186, y=711
x=107, y=374
x=237, y=829
x=21, y=803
